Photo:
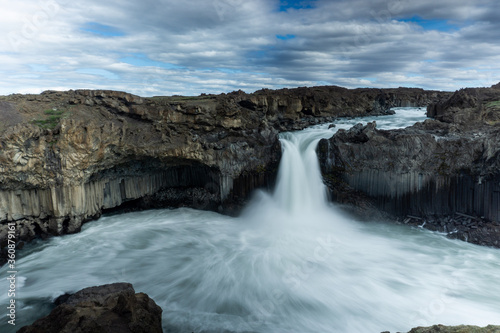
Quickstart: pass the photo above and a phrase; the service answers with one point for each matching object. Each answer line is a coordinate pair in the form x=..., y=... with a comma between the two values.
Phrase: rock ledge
x=112, y=308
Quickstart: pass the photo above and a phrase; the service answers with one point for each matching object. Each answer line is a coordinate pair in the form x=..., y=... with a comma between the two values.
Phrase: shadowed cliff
x=67, y=157
x=443, y=173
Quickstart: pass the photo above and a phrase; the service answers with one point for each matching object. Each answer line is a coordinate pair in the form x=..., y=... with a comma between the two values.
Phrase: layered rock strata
x=112, y=308
x=434, y=173
x=67, y=157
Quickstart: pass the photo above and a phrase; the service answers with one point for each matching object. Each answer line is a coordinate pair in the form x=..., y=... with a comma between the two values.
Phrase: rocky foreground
x=116, y=308
x=67, y=157
x=112, y=308
x=443, y=174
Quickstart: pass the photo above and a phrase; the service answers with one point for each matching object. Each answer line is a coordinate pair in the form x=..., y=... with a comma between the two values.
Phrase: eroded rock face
x=109, y=149
x=295, y=104
x=112, y=308
x=437, y=168
x=456, y=329
x=66, y=157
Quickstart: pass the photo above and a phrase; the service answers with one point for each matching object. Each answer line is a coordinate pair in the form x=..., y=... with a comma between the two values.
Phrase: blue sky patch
x=221, y=70
x=439, y=25
x=99, y=72
x=39, y=68
x=102, y=30
x=142, y=60
x=229, y=70
x=259, y=54
x=285, y=37
x=296, y=4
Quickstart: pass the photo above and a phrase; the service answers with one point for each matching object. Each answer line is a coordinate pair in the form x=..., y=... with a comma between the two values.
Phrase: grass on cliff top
x=51, y=120
x=177, y=98
x=494, y=104
x=491, y=114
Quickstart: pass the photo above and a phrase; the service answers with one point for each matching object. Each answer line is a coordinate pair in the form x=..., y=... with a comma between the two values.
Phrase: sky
x=173, y=47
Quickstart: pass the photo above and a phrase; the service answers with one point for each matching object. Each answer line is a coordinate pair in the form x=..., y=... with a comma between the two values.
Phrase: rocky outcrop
x=67, y=157
x=431, y=171
x=456, y=329
x=76, y=154
x=298, y=103
x=116, y=308
x=112, y=308
x=468, y=107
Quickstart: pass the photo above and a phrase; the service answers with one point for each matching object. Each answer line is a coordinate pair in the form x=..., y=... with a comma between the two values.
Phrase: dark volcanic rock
x=468, y=108
x=67, y=157
x=112, y=308
x=297, y=103
x=431, y=170
x=456, y=329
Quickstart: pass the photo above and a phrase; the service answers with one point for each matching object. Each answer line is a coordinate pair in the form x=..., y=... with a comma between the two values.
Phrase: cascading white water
x=291, y=263
x=299, y=187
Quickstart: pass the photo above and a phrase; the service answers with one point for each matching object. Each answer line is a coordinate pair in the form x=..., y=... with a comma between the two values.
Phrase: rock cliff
x=443, y=173
x=67, y=157
x=112, y=308
x=456, y=329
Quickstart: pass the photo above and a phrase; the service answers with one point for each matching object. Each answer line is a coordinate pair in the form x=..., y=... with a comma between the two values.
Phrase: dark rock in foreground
x=112, y=308
x=116, y=308
x=443, y=173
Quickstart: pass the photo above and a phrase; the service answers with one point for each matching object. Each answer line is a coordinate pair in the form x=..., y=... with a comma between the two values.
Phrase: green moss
x=494, y=104
x=51, y=120
x=443, y=168
x=335, y=176
x=323, y=148
x=261, y=168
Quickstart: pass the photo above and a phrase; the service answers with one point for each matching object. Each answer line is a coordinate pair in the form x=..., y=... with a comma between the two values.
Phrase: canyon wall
x=437, y=172
x=67, y=157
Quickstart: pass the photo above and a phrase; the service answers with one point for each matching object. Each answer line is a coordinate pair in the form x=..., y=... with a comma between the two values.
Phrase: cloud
x=173, y=47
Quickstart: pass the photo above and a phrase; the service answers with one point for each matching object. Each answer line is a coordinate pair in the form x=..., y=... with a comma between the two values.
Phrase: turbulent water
x=291, y=263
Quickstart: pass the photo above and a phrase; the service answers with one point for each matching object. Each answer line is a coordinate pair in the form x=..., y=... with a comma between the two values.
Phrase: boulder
x=112, y=308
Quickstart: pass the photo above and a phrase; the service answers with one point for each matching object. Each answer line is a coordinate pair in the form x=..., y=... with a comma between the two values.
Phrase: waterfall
x=300, y=188
x=300, y=196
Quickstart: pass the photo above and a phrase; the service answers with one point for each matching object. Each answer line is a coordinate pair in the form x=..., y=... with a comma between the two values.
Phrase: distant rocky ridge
x=456, y=329
x=67, y=157
x=443, y=173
